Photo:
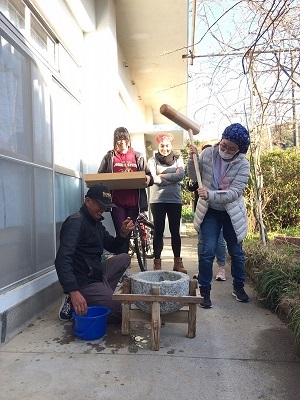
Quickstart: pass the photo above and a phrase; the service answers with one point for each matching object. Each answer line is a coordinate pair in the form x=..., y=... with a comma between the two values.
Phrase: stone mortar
x=169, y=282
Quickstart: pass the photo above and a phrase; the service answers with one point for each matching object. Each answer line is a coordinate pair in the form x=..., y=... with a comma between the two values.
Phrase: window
x=67, y=131
x=14, y=100
x=42, y=137
x=43, y=41
x=27, y=240
x=14, y=10
x=68, y=199
x=26, y=221
x=34, y=200
x=18, y=13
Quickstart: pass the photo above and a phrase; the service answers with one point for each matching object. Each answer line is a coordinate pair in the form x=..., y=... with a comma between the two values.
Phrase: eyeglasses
x=226, y=148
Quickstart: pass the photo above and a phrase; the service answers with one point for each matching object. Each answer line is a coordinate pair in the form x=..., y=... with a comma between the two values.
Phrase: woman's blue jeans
x=221, y=248
x=210, y=228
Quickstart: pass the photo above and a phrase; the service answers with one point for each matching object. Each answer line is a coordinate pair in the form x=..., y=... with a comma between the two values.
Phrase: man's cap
x=101, y=195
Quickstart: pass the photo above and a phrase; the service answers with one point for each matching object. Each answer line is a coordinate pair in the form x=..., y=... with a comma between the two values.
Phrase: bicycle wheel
x=139, y=245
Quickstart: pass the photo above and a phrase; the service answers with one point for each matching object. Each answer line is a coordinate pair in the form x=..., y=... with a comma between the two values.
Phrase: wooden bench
x=187, y=314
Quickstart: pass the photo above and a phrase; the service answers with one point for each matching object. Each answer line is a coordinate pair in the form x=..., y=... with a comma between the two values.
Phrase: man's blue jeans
x=210, y=228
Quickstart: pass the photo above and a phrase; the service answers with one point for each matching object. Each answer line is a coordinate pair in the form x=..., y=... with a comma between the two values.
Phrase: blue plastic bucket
x=92, y=325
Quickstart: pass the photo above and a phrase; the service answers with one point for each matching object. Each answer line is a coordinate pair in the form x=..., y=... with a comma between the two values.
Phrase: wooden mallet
x=184, y=122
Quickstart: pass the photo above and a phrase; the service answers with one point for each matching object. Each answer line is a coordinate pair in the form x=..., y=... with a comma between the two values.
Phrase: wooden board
x=118, y=180
x=133, y=298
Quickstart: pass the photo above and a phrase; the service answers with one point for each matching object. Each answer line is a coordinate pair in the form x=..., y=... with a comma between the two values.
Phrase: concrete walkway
x=241, y=351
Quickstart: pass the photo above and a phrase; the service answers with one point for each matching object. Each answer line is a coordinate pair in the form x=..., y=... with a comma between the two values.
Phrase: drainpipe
x=192, y=50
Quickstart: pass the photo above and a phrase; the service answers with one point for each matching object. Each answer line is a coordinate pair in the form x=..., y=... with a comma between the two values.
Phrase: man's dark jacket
x=82, y=241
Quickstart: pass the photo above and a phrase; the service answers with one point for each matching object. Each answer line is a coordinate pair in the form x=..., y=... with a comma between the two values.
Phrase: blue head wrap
x=236, y=133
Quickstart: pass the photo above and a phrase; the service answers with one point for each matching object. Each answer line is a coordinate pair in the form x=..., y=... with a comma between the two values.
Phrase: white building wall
x=110, y=99
x=107, y=92
x=100, y=85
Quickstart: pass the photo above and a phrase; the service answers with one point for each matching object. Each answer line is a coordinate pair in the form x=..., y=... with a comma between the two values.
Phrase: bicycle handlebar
x=143, y=218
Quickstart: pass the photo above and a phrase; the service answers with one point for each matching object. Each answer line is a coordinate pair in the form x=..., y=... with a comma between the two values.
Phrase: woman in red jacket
x=123, y=158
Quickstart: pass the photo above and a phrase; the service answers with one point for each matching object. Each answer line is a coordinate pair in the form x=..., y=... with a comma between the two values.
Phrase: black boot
x=206, y=303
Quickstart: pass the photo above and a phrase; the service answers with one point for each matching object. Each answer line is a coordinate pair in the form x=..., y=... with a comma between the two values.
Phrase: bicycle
x=141, y=241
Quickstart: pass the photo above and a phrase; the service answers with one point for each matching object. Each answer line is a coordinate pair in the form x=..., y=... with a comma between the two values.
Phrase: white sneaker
x=220, y=276
x=65, y=312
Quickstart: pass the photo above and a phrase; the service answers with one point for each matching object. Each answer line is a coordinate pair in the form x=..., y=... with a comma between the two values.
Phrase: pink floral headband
x=163, y=136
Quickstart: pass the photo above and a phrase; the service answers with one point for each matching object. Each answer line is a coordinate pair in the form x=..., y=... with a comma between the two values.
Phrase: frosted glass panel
x=16, y=254
x=67, y=131
x=44, y=218
x=14, y=100
x=14, y=12
x=68, y=198
x=15, y=110
x=41, y=120
x=26, y=230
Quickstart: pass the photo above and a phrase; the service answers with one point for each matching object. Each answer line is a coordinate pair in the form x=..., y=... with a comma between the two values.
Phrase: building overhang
x=153, y=36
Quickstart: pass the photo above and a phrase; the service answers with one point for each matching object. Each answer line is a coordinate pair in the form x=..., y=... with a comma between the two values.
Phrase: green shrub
x=293, y=231
x=187, y=214
x=276, y=273
x=281, y=189
x=271, y=285
x=294, y=318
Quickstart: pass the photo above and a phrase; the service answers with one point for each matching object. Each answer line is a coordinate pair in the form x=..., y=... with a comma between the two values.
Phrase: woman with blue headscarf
x=224, y=173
